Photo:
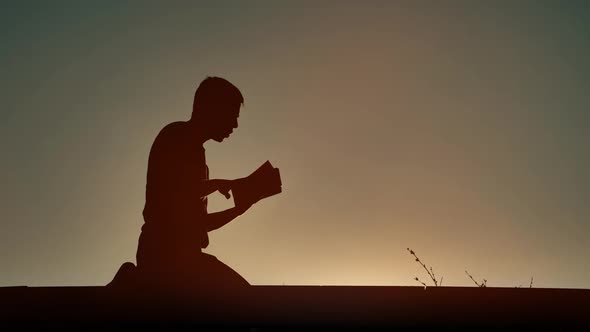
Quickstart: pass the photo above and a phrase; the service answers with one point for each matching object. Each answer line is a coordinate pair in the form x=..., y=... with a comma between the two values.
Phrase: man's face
x=226, y=121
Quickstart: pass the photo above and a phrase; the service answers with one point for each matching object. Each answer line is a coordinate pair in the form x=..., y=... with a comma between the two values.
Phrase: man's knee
x=222, y=273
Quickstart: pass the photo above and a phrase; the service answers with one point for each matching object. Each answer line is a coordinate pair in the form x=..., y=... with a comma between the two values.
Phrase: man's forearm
x=219, y=219
x=206, y=187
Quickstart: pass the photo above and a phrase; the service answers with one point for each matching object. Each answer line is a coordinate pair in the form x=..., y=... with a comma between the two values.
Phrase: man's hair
x=214, y=91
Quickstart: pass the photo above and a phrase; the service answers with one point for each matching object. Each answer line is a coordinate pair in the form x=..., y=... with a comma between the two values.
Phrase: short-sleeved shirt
x=176, y=169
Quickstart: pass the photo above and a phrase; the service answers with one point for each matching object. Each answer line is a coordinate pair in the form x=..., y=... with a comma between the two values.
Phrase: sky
x=458, y=129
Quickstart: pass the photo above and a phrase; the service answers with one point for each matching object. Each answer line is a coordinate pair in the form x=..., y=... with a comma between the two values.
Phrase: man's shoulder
x=173, y=134
x=173, y=131
x=176, y=127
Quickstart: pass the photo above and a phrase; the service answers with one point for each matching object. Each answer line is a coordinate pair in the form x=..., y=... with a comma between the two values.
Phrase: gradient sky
x=456, y=128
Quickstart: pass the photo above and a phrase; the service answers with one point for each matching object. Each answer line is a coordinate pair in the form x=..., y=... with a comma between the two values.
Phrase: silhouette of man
x=175, y=213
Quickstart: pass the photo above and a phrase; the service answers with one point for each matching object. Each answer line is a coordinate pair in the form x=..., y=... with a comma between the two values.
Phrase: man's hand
x=224, y=186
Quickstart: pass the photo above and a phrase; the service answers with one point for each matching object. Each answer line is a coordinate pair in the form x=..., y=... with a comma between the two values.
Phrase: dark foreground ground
x=296, y=308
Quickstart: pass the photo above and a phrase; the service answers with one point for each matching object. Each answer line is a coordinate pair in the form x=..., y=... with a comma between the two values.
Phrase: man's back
x=173, y=213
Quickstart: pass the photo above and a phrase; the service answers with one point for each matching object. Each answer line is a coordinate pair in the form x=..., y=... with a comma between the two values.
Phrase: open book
x=262, y=183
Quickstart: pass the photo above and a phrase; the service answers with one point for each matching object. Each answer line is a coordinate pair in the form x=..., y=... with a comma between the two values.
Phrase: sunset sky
x=459, y=129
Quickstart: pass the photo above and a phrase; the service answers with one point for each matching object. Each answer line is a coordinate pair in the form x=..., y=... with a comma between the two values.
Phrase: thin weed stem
x=482, y=284
x=429, y=271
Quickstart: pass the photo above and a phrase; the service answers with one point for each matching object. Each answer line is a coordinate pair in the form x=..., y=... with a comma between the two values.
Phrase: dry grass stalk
x=429, y=271
x=484, y=283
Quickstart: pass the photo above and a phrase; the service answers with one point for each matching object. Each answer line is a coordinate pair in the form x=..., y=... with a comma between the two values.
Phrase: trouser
x=174, y=263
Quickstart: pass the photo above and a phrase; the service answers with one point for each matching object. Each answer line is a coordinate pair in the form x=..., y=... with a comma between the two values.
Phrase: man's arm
x=206, y=187
x=219, y=219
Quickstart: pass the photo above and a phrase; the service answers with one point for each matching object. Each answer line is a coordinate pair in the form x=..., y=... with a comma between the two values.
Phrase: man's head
x=216, y=107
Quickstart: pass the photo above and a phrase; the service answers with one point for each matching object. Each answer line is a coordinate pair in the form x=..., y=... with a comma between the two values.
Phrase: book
x=262, y=183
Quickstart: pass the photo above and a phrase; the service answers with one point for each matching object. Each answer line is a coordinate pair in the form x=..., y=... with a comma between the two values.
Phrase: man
x=175, y=212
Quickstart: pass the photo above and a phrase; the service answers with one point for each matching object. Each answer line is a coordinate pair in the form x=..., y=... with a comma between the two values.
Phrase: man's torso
x=176, y=167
